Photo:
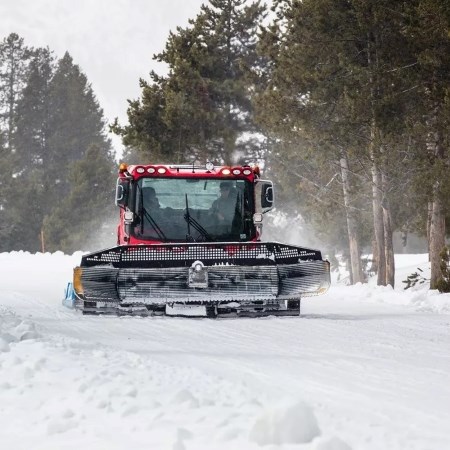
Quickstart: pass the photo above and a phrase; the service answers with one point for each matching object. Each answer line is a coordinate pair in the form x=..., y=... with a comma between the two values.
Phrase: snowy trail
x=364, y=368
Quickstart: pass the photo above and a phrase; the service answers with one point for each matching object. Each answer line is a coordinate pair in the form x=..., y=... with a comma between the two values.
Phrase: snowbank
x=366, y=368
x=418, y=297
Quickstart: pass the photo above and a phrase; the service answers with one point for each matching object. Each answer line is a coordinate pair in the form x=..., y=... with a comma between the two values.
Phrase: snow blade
x=245, y=279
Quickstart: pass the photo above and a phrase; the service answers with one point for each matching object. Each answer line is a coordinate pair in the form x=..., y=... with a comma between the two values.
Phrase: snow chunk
x=333, y=443
x=185, y=397
x=59, y=427
x=291, y=424
x=13, y=329
x=4, y=346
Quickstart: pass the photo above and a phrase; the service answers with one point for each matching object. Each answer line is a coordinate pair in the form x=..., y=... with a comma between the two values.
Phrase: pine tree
x=33, y=116
x=86, y=219
x=14, y=57
x=5, y=190
x=202, y=109
x=29, y=140
x=338, y=77
x=77, y=125
x=76, y=121
x=306, y=103
x=57, y=120
x=429, y=40
x=443, y=283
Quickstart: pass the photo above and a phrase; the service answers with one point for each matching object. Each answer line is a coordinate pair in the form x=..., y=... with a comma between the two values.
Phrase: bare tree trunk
x=374, y=266
x=357, y=275
x=378, y=223
x=437, y=240
x=376, y=156
x=429, y=215
x=388, y=244
x=42, y=240
x=436, y=211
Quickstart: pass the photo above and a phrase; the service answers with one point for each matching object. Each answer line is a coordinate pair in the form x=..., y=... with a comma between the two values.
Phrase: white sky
x=113, y=41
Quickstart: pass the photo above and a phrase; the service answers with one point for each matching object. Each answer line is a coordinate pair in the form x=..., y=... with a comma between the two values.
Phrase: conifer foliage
x=50, y=124
x=350, y=96
x=202, y=108
x=362, y=85
x=347, y=102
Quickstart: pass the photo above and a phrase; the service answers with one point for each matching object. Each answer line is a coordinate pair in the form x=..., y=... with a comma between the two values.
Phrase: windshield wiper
x=196, y=225
x=155, y=226
x=144, y=213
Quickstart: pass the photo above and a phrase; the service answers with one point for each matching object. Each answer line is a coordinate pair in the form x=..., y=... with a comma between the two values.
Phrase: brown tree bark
x=388, y=242
x=429, y=215
x=357, y=275
x=378, y=222
x=437, y=240
x=374, y=151
x=436, y=213
x=374, y=265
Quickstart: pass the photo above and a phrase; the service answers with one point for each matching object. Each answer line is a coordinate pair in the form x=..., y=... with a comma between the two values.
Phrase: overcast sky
x=113, y=41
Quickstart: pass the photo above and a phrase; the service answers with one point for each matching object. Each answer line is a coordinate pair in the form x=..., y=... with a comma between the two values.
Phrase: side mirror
x=267, y=196
x=122, y=192
x=264, y=196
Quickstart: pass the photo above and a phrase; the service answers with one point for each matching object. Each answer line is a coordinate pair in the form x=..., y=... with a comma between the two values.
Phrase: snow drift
x=366, y=367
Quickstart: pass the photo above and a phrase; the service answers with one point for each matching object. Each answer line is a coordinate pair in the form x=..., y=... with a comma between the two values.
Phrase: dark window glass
x=192, y=209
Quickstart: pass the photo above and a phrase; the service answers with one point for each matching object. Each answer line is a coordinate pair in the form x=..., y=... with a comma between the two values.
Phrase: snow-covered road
x=364, y=368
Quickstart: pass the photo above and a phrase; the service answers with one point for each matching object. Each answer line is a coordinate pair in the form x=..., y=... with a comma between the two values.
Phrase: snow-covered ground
x=366, y=367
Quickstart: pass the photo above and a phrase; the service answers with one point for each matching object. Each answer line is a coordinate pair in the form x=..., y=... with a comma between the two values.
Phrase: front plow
x=198, y=279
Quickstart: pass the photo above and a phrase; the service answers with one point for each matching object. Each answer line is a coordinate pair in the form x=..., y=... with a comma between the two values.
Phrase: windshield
x=193, y=209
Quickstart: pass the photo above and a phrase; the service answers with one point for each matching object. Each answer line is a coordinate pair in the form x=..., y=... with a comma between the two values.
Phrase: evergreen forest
x=57, y=166
x=345, y=104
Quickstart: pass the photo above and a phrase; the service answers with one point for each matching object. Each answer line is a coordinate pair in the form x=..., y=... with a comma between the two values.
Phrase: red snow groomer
x=189, y=245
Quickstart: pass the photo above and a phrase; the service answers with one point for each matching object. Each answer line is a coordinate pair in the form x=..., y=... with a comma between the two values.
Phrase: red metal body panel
x=172, y=171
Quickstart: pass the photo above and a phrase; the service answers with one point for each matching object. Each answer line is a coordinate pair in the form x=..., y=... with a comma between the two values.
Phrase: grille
x=225, y=283
x=159, y=274
x=149, y=286
x=168, y=255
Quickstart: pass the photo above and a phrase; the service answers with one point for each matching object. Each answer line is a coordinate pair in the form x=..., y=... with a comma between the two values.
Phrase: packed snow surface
x=365, y=367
